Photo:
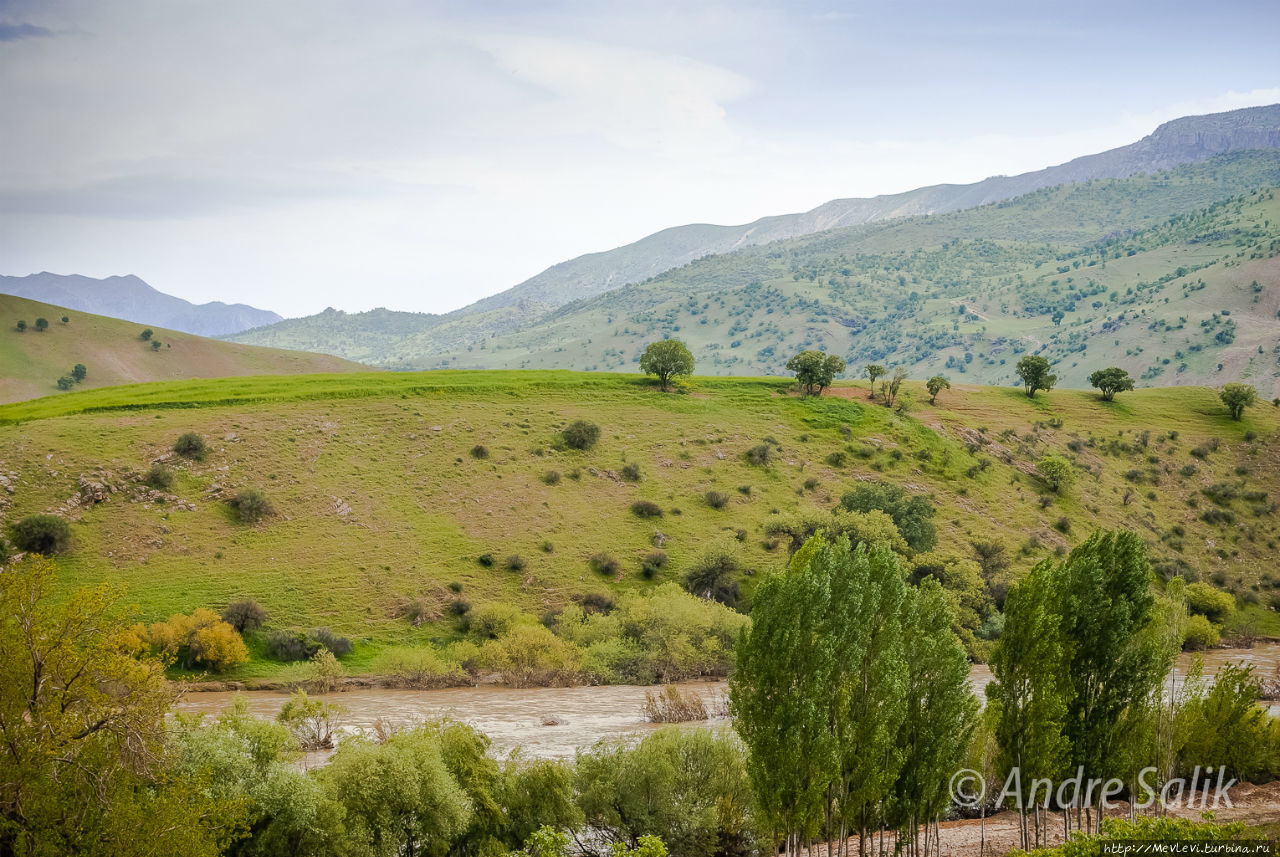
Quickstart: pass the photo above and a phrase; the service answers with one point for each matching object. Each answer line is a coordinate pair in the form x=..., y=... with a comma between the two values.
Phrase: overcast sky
x=298, y=154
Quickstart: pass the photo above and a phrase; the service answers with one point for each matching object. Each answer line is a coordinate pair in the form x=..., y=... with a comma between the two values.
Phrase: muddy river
x=555, y=722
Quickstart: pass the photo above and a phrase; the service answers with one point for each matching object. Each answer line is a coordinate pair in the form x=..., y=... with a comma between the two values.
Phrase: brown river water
x=554, y=722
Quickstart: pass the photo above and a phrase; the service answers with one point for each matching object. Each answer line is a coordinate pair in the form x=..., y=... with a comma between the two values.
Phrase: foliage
x=1034, y=372
x=42, y=324
x=1111, y=381
x=251, y=505
x=1199, y=633
x=714, y=574
x=311, y=722
x=146, y=334
x=911, y=514
x=815, y=370
x=936, y=385
x=159, y=477
x=43, y=534
x=201, y=639
x=1056, y=472
x=530, y=654
x=419, y=667
x=66, y=382
x=79, y=372
x=646, y=509
x=666, y=359
x=191, y=445
x=244, y=615
x=580, y=434
x=1237, y=397
x=1213, y=604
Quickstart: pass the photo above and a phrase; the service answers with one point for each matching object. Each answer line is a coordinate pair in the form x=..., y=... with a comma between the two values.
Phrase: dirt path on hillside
x=1254, y=805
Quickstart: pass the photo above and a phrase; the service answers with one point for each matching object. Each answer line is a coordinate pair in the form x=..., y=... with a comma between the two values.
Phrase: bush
x=515, y=562
x=646, y=509
x=580, y=434
x=251, y=505
x=485, y=560
x=419, y=667
x=652, y=564
x=716, y=500
x=245, y=615
x=551, y=477
x=1211, y=603
x=458, y=607
x=596, y=602
x=911, y=514
x=66, y=382
x=191, y=445
x=340, y=646
x=603, y=563
x=1199, y=633
x=1056, y=472
x=671, y=705
x=291, y=646
x=837, y=459
x=159, y=477
x=760, y=455
x=42, y=534
x=714, y=574
x=479, y=451
x=631, y=472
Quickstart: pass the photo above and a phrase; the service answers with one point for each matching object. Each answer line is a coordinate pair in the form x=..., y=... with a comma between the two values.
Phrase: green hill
x=389, y=489
x=113, y=352
x=1172, y=275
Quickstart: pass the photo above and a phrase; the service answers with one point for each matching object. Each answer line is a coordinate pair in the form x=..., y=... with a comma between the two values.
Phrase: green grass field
x=380, y=500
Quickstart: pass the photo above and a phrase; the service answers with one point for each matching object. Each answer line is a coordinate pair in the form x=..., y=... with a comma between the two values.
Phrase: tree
x=245, y=615
x=42, y=324
x=666, y=359
x=1034, y=372
x=936, y=385
x=1237, y=397
x=155, y=345
x=890, y=386
x=66, y=382
x=815, y=370
x=873, y=371
x=1056, y=472
x=79, y=372
x=66, y=320
x=912, y=514
x=1111, y=381
x=43, y=534
x=83, y=766
x=146, y=334
x=21, y=326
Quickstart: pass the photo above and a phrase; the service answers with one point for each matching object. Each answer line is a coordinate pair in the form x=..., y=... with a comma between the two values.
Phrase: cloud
x=15, y=32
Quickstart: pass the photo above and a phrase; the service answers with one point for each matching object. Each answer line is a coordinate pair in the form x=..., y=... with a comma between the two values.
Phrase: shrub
x=485, y=560
x=551, y=477
x=340, y=646
x=479, y=451
x=810, y=484
x=716, y=500
x=217, y=646
x=515, y=562
x=490, y=621
x=145, y=335
x=42, y=534
x=419, y=667
x=596, y=602
x=66, y=382
x=760, y=455
x=290, y=646
x=251, y=505
x=631, y=472
x=458, y=607
x=529, y=654
x=911, y=514
x=1062, y=525
x=245, y=615
x=1199, y=633
x=652, y=564
x=191, y=445
x=580, y=434
x=159, y=477
x=837, y=459
x=1056, y=472
x=714, y=574
x=603, y=563
x=671, y=705
x=1213, y=604
x=646, y=509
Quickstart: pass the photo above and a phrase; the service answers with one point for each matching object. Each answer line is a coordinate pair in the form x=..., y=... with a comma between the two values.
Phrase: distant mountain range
x=131, y=299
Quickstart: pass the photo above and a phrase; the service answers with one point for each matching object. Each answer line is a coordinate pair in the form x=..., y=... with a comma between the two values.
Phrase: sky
x=301, y=154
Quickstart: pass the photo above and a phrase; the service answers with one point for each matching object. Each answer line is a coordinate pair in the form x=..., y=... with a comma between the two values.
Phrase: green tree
x=146, y=334
x=1034, y=372
x=912, y=514
x=66, y=382
x=21, y=326
x=1056, y=472
x=873, y=371
x=936, y=385
x=1111, y=381
x=890, y=386
x=666, y=359
x=155, y=345
x=815, y=370
x=42, y=324
x=79, y=372
x=66, y=320
x=1237, y=397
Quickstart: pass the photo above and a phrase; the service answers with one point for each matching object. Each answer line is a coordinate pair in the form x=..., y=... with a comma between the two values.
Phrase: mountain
x=114, y=352
x=131, y=299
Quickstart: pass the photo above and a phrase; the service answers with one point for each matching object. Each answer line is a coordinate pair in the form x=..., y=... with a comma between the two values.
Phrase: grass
x=379, y=504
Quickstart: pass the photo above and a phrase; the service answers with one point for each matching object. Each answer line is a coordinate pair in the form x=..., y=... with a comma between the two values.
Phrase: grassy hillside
x=1167, y=275
x=114, y=353
x=388, y=489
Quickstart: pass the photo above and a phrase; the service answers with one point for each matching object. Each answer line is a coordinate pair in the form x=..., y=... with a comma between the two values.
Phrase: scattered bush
x=551, y=477
x=1211, y=603
x=340, y=646
x=419, y=667
x=245, y=615
x=603, y=563
x=480, y=451
x=1062, y=525
x=760, y=455
x=485, y=560
x=580, y=434
x=515, y=562
x=631, y=472
x=191, y=445
x=714, y=575
x=596, y=602
x=251, y=505
x=159, y=477
x=199, y=640
x=289, y=646
x=1056, y=472
x=1199, y=633
x=42, y=534
x=716, y=500
x=652, y=564
x=837, y=459
x=646, y=509
x=458, y=607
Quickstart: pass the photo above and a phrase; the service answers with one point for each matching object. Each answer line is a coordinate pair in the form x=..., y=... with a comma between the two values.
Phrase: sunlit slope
x=113, y=352
x=382, y=496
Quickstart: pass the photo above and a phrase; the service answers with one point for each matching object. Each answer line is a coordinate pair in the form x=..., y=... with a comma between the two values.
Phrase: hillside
x=1167, y=275
x=113, y=353
x=389, y=489
x=407, y=339
x=131, y=299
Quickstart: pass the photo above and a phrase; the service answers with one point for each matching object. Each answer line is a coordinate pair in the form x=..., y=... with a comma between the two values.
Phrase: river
x=553, y=722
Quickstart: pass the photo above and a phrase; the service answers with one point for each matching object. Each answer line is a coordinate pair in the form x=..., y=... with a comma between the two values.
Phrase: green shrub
x=631, y=472
x=458, y=607
x=646, y=509
x=760, y=455
x=66, y=382
x=1199, y=633
x=515, y=562
x=340, y=646
x=1056, y=472
x=551, y=477
x=191, y=445
x=159, y=477
x=480, y=451
x=245, y=615
x=714, y=575
x=1211, y=603
x=652, y=564
x=911, y=514
x=419, y=667
x=42, y=534
x=485, y=560
x=596, y=602
x=251, y=505
x=580, y=434
x=290, y=646
x=603, y=563
x=716, y=500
